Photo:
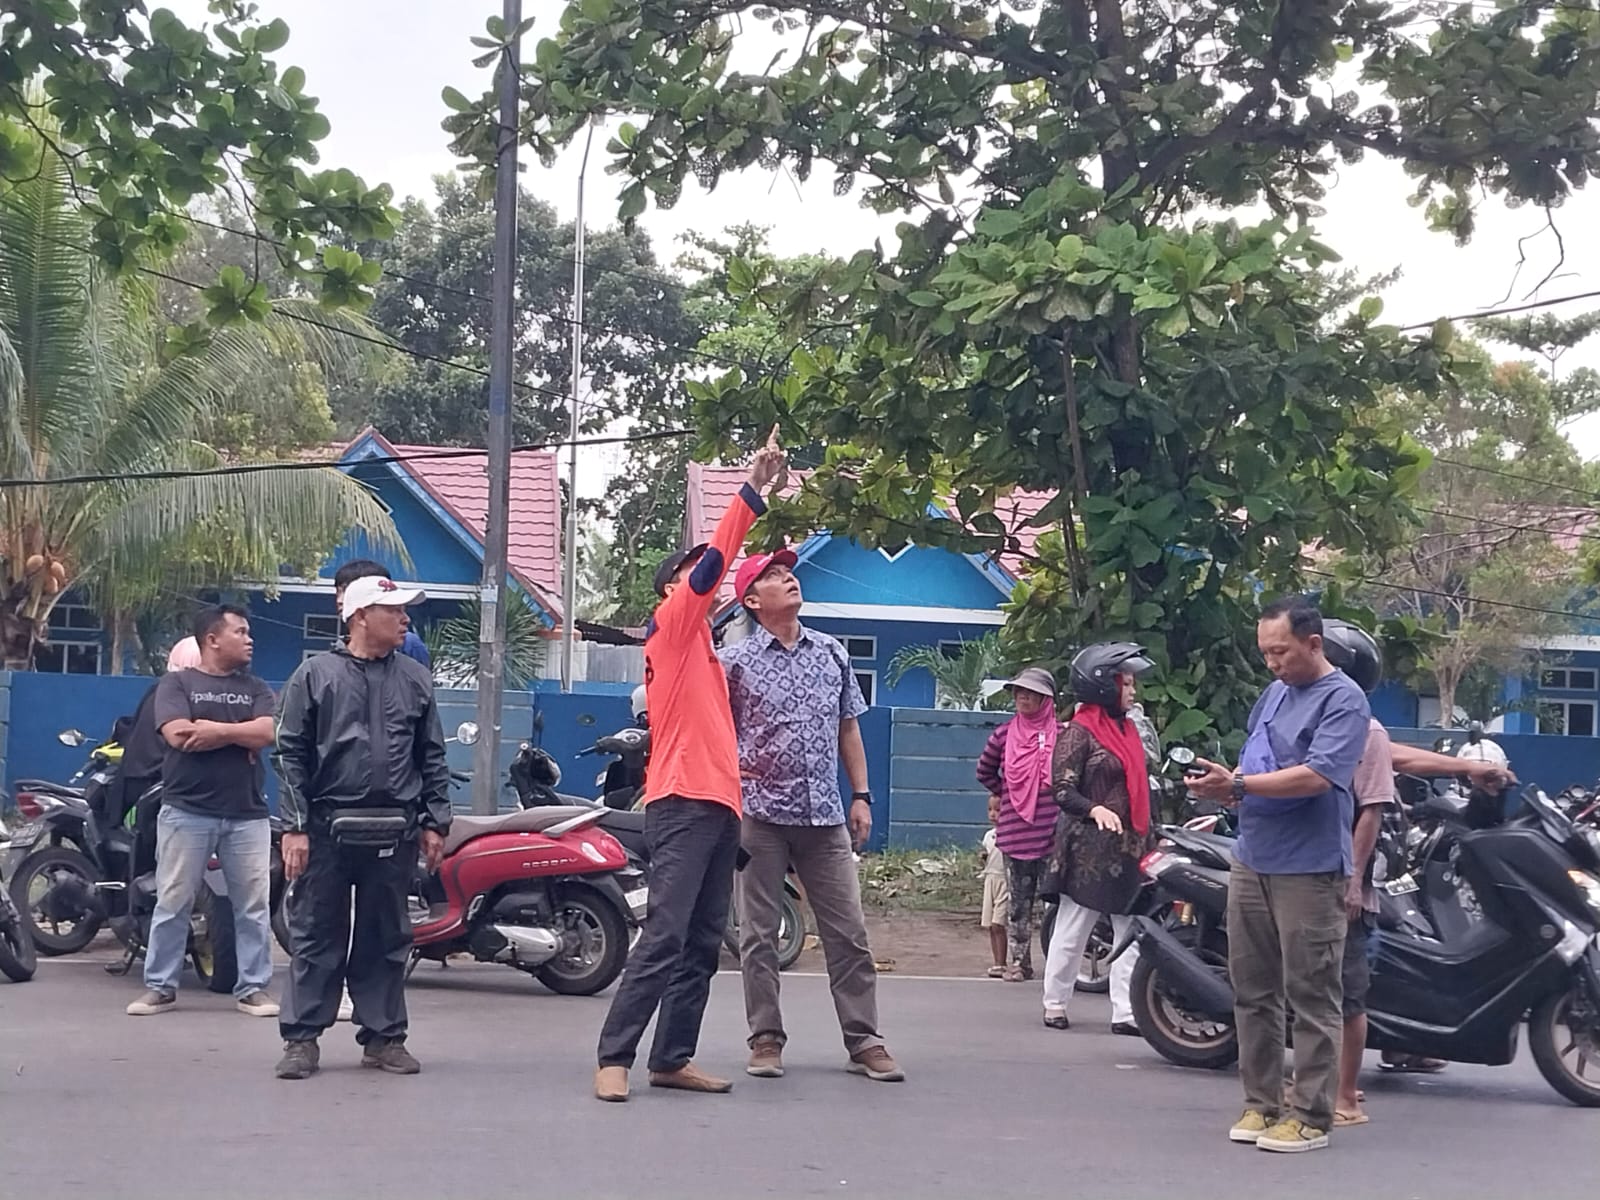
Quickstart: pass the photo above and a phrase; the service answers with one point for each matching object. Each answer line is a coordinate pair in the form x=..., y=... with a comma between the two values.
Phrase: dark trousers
x=694, y=845
x=323, y=953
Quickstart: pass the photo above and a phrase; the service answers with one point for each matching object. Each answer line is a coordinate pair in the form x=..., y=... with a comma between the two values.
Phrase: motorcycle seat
x=48, y=788
x=522, y=820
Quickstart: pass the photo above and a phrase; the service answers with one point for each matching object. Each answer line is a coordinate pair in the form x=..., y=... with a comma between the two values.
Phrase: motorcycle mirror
x=1181, y=755
x=72, y=737
x=467, y=733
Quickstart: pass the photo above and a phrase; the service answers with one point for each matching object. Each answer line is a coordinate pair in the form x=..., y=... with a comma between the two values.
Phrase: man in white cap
x=358, y=729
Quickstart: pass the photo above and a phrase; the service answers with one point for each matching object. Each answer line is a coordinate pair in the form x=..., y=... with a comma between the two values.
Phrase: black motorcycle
x=18, y=958
x=1535, y=954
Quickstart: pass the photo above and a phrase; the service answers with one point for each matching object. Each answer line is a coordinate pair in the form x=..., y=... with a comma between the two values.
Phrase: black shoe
x=390, y=1055
x=300, y=1060
x=1126, y=1029
x=1057, y=1021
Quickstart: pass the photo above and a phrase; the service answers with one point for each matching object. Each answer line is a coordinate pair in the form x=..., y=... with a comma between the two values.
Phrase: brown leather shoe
x=766, y=1058
x=875, y=1063
x=689, y=1078
x=611, y=1084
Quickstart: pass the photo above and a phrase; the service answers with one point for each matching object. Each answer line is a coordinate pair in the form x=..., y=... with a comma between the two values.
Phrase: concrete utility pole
x=502, y=373
x=569, y=595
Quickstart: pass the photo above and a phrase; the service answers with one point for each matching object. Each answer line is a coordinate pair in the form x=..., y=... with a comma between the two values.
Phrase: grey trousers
x=1286, y=943
x=823, y=859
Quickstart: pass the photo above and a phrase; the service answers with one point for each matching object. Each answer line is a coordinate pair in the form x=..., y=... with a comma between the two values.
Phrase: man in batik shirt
x=795, y=702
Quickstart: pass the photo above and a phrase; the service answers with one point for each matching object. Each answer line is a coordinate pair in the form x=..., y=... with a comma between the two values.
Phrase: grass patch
x=922, y=880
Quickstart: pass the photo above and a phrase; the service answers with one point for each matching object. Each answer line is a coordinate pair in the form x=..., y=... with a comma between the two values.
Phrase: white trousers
x=1068, y=940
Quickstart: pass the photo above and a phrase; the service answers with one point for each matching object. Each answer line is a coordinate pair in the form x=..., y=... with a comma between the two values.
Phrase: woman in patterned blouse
x=1100, y=780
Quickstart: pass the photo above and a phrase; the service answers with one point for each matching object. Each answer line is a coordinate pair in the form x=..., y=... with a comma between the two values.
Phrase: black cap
x=672, y=563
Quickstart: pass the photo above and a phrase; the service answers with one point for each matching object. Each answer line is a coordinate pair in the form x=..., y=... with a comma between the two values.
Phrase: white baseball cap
x=375, y=589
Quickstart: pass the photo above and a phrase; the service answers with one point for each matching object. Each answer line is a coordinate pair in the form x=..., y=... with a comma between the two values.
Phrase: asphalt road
x=95, y=1103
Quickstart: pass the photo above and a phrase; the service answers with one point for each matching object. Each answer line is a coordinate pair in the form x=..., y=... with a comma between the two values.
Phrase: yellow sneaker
x=1292, y=1136
x=1248, y=1127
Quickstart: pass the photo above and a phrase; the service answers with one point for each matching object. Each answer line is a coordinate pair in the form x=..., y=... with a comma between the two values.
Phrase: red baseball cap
x=752, y=568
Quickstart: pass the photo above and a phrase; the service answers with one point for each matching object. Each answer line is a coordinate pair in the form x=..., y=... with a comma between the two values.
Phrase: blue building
x=878, y=602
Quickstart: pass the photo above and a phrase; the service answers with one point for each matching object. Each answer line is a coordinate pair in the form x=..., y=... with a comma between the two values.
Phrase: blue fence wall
x=935, y=799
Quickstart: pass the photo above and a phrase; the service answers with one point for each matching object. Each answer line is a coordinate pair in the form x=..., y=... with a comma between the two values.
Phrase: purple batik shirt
x=787, y=708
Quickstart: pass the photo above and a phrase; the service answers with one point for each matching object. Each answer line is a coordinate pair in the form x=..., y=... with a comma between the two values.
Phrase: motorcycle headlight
x=1589, y=886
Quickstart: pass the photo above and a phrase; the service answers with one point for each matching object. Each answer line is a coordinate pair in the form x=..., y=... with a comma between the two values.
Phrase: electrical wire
x=1421, y=591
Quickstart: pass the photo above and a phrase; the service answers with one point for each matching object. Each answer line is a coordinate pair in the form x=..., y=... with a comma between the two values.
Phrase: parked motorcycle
x=543, y=890
x=1535, y=954
x=18, y=957
x=61, y=859
x=73, y=871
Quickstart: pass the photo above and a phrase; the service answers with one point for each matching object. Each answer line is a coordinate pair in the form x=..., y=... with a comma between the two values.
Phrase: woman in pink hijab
x=1015, y=767
x=184, y=655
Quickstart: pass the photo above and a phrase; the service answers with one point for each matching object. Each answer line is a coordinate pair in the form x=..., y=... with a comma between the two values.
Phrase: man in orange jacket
x=692, y=806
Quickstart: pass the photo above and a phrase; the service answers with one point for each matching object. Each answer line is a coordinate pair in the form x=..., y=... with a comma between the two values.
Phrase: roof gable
x=712, y=488
x=458, y=488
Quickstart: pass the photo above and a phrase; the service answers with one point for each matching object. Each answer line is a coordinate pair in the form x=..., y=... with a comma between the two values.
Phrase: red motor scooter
x=543, y=890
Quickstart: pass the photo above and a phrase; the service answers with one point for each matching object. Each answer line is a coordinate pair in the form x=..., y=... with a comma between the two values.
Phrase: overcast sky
x=378, y=67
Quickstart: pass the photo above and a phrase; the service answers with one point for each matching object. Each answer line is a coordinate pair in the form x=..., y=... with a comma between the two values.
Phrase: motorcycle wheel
x=1179, y=1036
x=1094, y=968
x=40, y=872
x=1564, y=1035
x=212, y=949
x=596, y=947
x=791, y=932
x=280, y=921
x=18, y=959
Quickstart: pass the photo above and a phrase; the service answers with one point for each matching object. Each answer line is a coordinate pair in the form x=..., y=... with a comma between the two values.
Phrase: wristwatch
x=1238, y=785
x=864, y=797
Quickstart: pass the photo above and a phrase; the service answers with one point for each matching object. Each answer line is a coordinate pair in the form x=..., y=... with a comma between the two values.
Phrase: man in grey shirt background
x=795, y=702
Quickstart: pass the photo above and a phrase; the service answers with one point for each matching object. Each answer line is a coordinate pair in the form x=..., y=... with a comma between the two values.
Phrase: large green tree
x=436, y=300
x=94, y=408
x=148, y=114
x=1062, y=308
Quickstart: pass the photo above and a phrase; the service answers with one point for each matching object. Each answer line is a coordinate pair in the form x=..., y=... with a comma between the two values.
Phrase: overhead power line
x=1422, y=591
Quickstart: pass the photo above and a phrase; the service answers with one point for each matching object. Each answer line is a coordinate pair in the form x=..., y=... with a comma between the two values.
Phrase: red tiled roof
x=712, y=488
x=461, y=487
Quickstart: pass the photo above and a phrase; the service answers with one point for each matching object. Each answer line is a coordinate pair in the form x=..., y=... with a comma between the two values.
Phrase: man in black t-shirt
x=216, y=722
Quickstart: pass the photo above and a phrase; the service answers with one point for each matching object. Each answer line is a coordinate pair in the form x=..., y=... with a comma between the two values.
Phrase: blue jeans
x=185, y=842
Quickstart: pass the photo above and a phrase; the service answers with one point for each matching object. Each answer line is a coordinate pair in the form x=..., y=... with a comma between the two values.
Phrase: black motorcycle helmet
x=1354, y=651
x=1094, y=671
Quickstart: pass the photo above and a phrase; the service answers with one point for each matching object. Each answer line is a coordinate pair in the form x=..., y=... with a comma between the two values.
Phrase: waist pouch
x=380, y=827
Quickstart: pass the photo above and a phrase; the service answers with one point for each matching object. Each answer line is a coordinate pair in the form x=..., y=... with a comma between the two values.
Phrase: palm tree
x=453, y=645
x=86, y=394
x=958, y=680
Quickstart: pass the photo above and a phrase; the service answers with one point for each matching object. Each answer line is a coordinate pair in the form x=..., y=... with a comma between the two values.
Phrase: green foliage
x=147, y=114
x=1055, y=314
x=958, y=679
x=453, y=644
x=85, y=391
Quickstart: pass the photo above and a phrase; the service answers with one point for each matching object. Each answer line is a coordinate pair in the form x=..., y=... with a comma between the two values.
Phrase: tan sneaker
x=689, y=1078
x=875, y=1063
x=1292, y=1136
x=766, y=1058
x=153, y=1003
x=611, y=1084
x=1248, y=1128
x=257, y=1004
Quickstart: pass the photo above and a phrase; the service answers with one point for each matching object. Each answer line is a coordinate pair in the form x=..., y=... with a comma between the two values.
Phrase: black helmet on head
x=1354, y=651
x=1094, y=671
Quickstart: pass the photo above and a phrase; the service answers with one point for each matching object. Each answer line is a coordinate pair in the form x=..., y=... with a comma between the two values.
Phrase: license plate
x=27, y=835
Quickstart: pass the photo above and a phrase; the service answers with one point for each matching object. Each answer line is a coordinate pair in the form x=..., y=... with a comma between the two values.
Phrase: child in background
x=996, y=893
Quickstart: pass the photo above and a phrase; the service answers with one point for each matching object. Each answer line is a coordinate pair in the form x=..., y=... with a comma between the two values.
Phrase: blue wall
x=843, y=572
x=438, y=555
x=916, y=688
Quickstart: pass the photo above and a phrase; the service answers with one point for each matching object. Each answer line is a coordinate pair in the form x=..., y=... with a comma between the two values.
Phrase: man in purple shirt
x=795, y=702
x=1293, y=862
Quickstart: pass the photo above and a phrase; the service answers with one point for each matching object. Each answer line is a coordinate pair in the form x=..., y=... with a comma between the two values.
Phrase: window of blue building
x=75, y=642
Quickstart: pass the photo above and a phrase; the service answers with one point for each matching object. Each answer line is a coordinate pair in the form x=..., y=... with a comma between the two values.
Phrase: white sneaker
x=347, y=1010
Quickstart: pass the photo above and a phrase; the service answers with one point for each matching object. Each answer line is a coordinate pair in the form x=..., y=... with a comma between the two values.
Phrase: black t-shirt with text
x=226, y=782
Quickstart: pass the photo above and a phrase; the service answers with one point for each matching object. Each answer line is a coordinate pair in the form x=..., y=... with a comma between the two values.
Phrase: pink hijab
x=184, y=655
x=1030, y=745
